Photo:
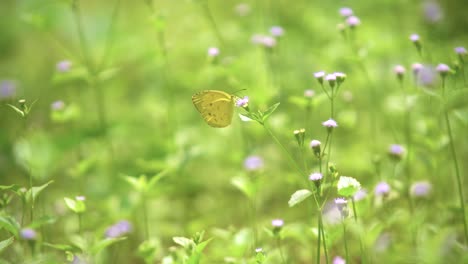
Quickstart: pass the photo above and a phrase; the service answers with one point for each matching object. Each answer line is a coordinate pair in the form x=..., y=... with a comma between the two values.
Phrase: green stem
x=280, y=249
x=319, y=242
x=79, y=223
x=325, y=250
x=254, y=220
x=145, y=217
x=209, y=16
x=457, y=170
x=361, y=246
x=345, y=242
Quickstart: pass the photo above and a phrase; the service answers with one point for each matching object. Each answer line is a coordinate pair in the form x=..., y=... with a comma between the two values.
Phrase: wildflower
x=353, y=21
x=242, y=9
x=342, y=205
x=80, y=198
x=382, y=242
x=57, y=105
x=213, y=52
x=414, y=38
x=382, y=189
x=315, y=146
x=253, y=163
x=7, y=89
x=331, y=78
x=28, y=234
x=121, y=228
x=346, y=12
x=319, y=76
x=416, y=67
x=299, y=134
x=421, y=189
x=258, y=250
x=339, y=260
x=432, y=11
x=266, y=41
x=396, y=151
x=399, y=71
x=443, y=69
x=460, y=51
x=242, y=102
x=278, y=223
x=316, y=176
x=330, y=124
x=426, y=76
x=276, y=31
x=340, y=77
x=63, y=66
x=360, y=195
x=309, y=93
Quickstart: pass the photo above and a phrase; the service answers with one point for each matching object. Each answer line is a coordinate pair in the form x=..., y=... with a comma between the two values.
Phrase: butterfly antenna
x=235, y=93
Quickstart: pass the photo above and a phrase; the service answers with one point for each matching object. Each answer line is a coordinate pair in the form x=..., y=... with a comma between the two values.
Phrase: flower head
x=258, y=250
x=346, y=12
x=319, y=76
x=340, y=77
x=443, y=69
x=432, y=11
x=427, y=76
x=330, y=123
x=353, y=21
x=80, y=198
x=396, y=151
x=416, y=67
x=268, y=42
x=348, y=186
x=315, y=143
x=339, y=260
x=360, y=195
x=119, y=229
x=64, y=66
x=253, y=163
x=28, y=234
x=242, y=9
x=213, y=52
x=316, y=176
x=399, y=71
x=414, y=38
x=7, y=89
x=460, y=51
x=277, y=223
x=421, y=189
x=276, y=31
x=382, y=189
x=242, y=102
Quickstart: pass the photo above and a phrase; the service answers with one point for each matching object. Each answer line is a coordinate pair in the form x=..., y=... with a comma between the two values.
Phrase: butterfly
x=216, y=107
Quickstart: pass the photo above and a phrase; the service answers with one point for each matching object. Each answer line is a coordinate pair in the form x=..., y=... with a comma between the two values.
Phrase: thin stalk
x=457, y=170
x=345, y=242
x=254, y=220
x=280, y=249
x=361, y=246
x=319, y=236
x=209, y=16
x=325, y=250
x=79, y=223
x=145, y=216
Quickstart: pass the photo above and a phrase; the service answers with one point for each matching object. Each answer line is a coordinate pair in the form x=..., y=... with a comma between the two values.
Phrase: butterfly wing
x=216, y=107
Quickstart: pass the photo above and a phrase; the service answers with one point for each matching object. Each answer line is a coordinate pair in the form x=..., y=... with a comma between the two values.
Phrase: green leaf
x=245, y=118
x=457, y=99
x=156, y=178
x=43, y=220
x=36, y=191
x=99, y=246
x=13, y=187
x=269, y=111
x=347, y=186
x=244, y=185
x=74, y=205
x=62, y=247
x=5, y=243
x=10, y=224
x=17, y=110
x=298, y=197
x=183, y=241
x=196, y=254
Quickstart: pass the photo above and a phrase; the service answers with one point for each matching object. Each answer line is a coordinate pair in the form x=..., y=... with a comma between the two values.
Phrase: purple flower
x=416, y=67
x=346, y=12
x=253, y=163
x=28, y=234
x=242, y=102
x=382, y=189
x=341, y=201
x=432, y=11
x=443, y=69
x=276, y=31
x=277, y=223
x=460, y=51
x=339, y=260
x=330, y=123
x=396, y=150
x=426, y=76
x=119, y=229
x=64, y=66
x=339, y=76
x=315, y=143
x=316, y=176
x=213, y=52
x=309, y=93
x=353, y=21
x=399, y=70
x=382, y=242
x=269, y=42
x=414, y=38
x=421, y=189
x=7, y=89
x=57, y=105
x=360, y=195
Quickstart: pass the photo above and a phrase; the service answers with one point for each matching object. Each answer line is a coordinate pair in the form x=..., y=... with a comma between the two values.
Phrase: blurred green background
x=125, y=72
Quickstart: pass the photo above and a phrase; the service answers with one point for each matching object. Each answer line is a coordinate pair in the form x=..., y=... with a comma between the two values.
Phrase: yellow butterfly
x=216, y=107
